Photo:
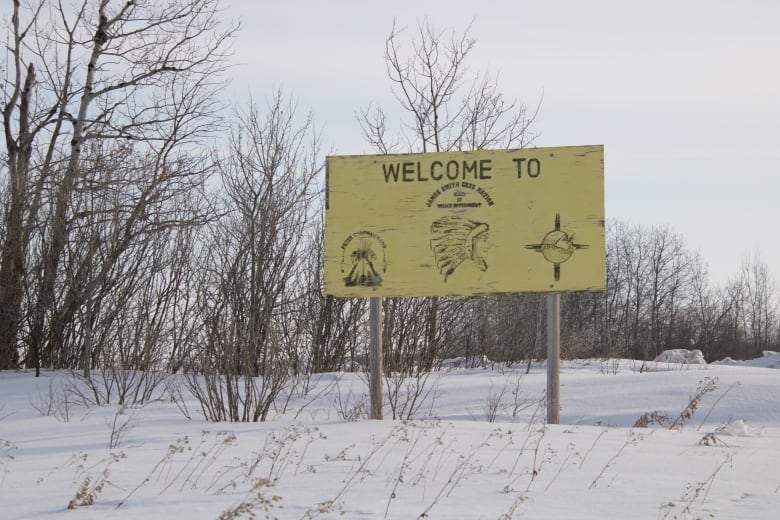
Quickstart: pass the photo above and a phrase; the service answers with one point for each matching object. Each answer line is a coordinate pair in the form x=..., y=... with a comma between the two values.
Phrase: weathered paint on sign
x=465, y=223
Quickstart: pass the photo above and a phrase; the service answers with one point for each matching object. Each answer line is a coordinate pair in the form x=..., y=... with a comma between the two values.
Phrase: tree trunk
x=15, y=245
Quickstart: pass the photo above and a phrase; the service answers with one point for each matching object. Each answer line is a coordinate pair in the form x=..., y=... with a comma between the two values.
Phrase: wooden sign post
x=553, y=358
x=376, y=357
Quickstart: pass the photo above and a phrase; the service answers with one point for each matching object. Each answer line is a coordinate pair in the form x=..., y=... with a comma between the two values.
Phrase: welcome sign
x=465, y=223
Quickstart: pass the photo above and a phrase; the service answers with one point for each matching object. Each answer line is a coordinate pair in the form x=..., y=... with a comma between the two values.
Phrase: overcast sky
x=684, y=95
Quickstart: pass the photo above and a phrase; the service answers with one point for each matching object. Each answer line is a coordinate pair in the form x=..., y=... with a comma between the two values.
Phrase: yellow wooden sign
x=465, y=223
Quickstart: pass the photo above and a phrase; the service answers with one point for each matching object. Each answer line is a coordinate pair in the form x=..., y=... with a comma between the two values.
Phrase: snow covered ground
x=476, y=448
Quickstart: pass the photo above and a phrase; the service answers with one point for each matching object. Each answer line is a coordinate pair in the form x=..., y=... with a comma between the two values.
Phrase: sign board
x=465, y=223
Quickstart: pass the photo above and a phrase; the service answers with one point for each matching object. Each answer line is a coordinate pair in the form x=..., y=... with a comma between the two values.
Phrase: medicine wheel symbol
x=557, y=247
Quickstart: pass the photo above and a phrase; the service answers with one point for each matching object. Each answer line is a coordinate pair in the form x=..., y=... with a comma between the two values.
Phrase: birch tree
x=142, y=77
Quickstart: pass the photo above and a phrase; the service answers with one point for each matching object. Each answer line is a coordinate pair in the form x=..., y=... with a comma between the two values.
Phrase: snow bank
x=770, y=359
x=682, y=356
x=737, y=429
x=469, y=452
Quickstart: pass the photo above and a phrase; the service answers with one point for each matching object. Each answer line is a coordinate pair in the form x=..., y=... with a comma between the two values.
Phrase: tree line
x=147, y=227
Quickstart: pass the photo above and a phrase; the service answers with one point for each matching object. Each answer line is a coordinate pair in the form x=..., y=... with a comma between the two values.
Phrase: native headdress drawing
x=455, y=239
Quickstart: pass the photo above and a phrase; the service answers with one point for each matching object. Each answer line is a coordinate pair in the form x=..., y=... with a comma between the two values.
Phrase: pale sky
x=684, y=95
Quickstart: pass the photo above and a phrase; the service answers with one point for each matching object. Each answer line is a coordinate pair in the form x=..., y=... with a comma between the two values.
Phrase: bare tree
x=652, y=281
x=500, y=328
x=754, y=296
x=582, y=325
x=670, y=266
x=710, y=314
x=253, y=262
x=139, y=74
x=444, y=106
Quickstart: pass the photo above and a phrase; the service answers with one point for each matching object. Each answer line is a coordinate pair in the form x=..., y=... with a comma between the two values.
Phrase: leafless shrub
x=650, y=418
x=256, y=500
x=248, y=289
x=89, y=488
x=408, y=393
x=176, y=396
x=610, y=366
x=693, y=492
x=706, y=385
x=642, y=366
x=302, y=386
x=334, y=504
x=56, y=402
x=298, y=385
x=411, y=341
x=631, y=440
x=540, y=459
x=85, y=495
x=571, y=457
x=180, y=446
x=493, y=402
x=6, y=450
x=405, y=466
x=201, y=460
x=595, y=441
x=463, y=468
x=509, y=514
x=121, y=424
x=496, y=401
x=539, y=415
x=420, y=452
x=534, y=438
x=2, y=414
x=657, y=417
x=278, y=450
x=711, y=439
x=185, y=466
x=115, y=385
x=462, y=114
x=351, y=407
x=235, y=397
x=520, y=401
x=706, y=416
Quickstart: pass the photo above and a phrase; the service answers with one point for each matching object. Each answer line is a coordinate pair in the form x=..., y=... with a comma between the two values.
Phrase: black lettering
x=391, y=170
x=486, y=196
x=420, y=174
x=434, y=175
x=452, y=175
x=408, y=171
x=453, y=170
x=534, y=168
x=484, y=169
x=519, y=163
x=467, y=168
